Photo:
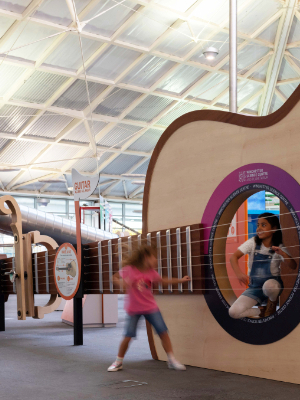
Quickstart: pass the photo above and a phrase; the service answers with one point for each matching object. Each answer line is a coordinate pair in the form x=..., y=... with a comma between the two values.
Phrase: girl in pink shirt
x=137, y=277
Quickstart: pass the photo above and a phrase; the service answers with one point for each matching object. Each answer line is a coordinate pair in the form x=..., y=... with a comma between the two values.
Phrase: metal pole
x=233, y=56
x=2, y=313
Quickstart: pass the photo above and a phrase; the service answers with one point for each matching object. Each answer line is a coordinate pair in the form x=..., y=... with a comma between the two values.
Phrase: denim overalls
x=260, y=273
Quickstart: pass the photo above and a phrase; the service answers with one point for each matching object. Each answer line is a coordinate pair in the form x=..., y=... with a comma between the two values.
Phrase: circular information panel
x=66, y=271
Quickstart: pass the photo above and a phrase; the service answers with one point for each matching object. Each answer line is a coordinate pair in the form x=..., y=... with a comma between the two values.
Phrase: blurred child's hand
x=277, y=250
x=185, y=279
x=243, y=278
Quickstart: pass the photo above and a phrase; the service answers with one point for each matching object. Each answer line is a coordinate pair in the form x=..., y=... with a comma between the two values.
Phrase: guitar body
x=205, y=165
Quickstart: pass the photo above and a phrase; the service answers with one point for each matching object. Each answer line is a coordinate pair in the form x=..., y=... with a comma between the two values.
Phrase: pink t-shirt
x=140, y=299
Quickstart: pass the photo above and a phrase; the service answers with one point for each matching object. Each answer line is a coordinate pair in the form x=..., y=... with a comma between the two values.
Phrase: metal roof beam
x=282, y=35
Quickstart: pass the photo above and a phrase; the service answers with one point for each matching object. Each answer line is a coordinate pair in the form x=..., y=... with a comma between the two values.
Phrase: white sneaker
x=174, y=364
x=115, y=366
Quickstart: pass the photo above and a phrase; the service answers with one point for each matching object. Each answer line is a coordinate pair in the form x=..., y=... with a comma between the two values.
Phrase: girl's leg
x=167, y=345
x=131, y=325
x=271, y=289
x=242, y=307
x=166, y=342
x=124, y=346
x=156, y=320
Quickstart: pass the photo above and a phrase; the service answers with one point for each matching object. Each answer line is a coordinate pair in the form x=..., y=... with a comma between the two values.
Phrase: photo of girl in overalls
x=266, y=253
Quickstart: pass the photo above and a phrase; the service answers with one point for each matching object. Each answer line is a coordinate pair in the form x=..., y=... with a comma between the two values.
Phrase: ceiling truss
x=265, y=88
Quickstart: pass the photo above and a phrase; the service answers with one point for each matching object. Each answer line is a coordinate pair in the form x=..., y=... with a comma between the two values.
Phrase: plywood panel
x=191, y=159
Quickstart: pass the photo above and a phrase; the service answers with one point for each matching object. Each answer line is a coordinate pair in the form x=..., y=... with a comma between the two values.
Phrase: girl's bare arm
x=234, y=261
x=291, y=263
x=117, y=279
x=166, y=281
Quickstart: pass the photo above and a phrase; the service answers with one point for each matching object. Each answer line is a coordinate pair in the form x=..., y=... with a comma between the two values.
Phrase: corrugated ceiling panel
x=39, y=87
x=5, y=24
x=130, y=188
x=121, y=164
x=118, y=136
x=286, y=71
x=288, y=90
x=57, y=188
x=16, y=118
x=253, y=105
x=295, y=51
x=90, y=164
x=31, y=174
x=103, y=157
x=256, y=14
x=112, y=62
x=177, y=5
x=57, y=12
x=7, y=177
x=102, y=188
x=248, y=56
x=17, y=6
x=104, y=179
x=270, y=33
x=149, y=108
x=147, y=141
x=107, y=23
x=148, y=27
x=78, y=134
x=117, y=190
x=276, y=103
x=68, y=53
x=181, y=79
x=261, y=72
x=116, y=102
x=76, y=96
x=29, y=32
x=21, y=152
x=96, y=126
x=8, y=75
x=48, y=125
x=180, y=109
x=32, y=187
x=3, y=142
x=245, y=91
x=57, y=156
x=178, y=42
x=143, y=168
x=294, y=35
x=148, y=71
x=216, y=14
x=210, y=88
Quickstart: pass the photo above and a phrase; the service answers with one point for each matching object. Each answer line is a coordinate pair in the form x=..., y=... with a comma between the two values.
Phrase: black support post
x=2, y=313
x=77, y=311
x=78, y=321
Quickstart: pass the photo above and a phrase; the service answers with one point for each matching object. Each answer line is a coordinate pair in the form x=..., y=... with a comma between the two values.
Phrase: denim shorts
x=155, y=319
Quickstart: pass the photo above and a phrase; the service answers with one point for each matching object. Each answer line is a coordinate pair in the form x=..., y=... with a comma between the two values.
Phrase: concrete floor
x=38, y=361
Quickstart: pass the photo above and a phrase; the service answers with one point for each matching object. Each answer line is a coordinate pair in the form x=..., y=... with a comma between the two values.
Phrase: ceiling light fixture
x=210, y=53
x=42, y=202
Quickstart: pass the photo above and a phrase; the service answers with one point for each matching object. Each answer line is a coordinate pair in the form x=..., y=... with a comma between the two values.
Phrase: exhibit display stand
x=99, y=311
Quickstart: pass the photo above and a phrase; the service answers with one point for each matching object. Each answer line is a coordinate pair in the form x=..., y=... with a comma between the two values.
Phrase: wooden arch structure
x=197, y=163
